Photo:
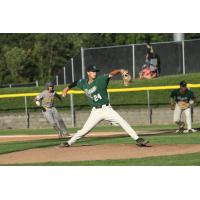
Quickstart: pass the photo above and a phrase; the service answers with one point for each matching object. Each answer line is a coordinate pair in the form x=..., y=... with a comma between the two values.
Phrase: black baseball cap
x=92, y=68
x=183, y=84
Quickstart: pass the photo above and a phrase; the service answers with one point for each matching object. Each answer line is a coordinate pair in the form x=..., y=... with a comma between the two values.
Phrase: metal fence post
x=72, y=69
x=133, y=58
x=57, y=80
x=83, y=62
x=149, y=108
x=36, y=83
x=26, y=112
x=109, y=97
x=183, y=55
x=64, y=75
x=72, y=110
x=73, y=117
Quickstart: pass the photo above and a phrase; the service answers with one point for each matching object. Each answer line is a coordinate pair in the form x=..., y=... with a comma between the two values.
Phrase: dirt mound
x=95, y=152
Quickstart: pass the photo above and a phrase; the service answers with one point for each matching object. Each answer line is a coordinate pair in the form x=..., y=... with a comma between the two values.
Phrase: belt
x=97, y=107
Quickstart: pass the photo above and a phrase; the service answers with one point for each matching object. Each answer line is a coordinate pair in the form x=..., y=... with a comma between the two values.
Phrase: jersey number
x=97, y=97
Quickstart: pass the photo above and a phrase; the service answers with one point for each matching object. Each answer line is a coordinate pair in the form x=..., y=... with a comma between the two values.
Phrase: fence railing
x=176, y=58
x=11, y=85
x=117, y=90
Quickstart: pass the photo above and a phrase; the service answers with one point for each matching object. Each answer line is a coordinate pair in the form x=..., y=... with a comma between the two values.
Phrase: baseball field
x=104, y=146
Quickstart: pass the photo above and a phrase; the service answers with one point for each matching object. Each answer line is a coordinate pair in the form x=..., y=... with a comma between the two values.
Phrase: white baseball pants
x=177, y=116
x=98, y=114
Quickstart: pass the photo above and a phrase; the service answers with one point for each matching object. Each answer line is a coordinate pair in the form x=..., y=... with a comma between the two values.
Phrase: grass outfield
x=96, y=129
x=127, y=99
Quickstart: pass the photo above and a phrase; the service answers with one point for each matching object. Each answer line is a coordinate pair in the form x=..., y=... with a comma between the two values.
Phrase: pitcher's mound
x=95, y=152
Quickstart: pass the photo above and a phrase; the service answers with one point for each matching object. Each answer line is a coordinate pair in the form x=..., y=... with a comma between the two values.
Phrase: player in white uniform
x=95, y=89
x=182, y=100
x=46, y=100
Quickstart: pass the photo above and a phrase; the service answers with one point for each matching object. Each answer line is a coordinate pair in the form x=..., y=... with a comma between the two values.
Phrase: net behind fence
x=170, y=57
x=192, y=58
x=108, y=59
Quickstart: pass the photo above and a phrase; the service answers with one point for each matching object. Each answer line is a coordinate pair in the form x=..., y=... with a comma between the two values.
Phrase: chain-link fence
x=33, y=84
x=175, y=58
x=110, y=58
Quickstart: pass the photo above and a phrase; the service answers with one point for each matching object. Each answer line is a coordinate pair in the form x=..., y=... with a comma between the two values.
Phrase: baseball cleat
x=63, y=135
x=64, y=144
x=190, y=131
x=66, y=134
x=142, y=142
x=60, y=136
x=180, y=131
x=181, y=125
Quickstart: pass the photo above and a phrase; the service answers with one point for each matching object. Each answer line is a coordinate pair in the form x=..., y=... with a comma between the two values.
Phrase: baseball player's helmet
x=183, y=84
x=92, y=68
x=50, y=84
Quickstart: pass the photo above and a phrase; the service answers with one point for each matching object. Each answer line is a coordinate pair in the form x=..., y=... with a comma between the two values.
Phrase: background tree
x=15, y=59
x=28, y=57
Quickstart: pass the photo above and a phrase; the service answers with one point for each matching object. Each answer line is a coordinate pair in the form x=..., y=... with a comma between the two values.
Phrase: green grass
x=127, y=99
x=96, y=129
x=10, y=147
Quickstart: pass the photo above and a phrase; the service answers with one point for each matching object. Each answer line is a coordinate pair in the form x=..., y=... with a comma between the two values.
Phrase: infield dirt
x=95, y=152
x=89, y=152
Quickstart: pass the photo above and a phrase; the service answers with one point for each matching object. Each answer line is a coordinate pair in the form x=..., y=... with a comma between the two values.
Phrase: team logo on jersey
x=90, y=91
x=182, y=98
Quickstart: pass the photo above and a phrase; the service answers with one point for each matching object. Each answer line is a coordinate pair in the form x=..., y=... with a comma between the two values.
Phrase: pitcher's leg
x=114, y=117
x=91, y=122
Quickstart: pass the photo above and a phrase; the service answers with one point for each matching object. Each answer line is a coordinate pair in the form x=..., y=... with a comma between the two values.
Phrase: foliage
x=27, y=57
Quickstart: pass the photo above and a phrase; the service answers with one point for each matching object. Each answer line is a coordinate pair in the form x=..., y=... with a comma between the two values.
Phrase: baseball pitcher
x=182, y=100
x=46, y=100
x=95, y=89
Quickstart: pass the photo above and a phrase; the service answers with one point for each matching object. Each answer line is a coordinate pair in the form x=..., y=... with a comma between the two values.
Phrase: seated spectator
x=148, y=72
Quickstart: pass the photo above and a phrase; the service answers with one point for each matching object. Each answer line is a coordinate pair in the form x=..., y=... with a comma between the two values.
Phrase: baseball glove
x=183, y=105
x=126, y=78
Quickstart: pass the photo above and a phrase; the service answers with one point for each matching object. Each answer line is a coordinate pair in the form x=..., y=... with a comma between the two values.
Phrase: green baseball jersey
x=178, y=96
x=96, y=91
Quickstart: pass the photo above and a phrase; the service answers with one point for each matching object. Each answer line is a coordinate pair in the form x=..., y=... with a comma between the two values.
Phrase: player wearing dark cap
x=95, y=88
x=182, y=100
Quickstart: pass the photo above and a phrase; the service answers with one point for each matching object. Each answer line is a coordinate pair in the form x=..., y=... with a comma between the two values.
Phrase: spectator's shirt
x=178, y=96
